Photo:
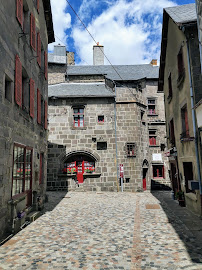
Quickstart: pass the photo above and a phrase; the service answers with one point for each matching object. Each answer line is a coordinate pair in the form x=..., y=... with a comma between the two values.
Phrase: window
x=101, y=145
x=78, y=117
x=180, y=62
x=152, y=137
x=32, y=94
x=172, y=133
x=151, y=106
x=188, y=174
x=22, y=169
x=25, y=92
x=170, y=89
x=8, y=90
x=185, y=126
x=18, y=81
x=158, y=171
x=131, y=149
x=39, y=49
x=37, y=5
x=19, y=11
x=100, y=118
x=38, y=107
x=32, y=32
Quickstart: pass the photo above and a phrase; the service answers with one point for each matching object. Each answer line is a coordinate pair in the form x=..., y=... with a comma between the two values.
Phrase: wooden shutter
x=19, y=11
x=38, y=107
x=38, y=6
x=32, y=32
x=18, y=81
x=163, y=172
x=46, y=114
x=39, y=49
x=32, y=93
x=45, y=65
x=41, y=169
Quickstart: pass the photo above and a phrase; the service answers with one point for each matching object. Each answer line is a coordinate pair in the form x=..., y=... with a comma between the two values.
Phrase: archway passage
x=80, y=164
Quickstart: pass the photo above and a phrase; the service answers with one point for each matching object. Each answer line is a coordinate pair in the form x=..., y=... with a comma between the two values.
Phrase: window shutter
x=32, y=32
x=32, y=92
x=163, y=172
x=38, y=6
x=19, y=11
x=41, y=166
x=39, y=49
x=45, y=65
x=38, y=107
x=18, y=81
x=46, y=114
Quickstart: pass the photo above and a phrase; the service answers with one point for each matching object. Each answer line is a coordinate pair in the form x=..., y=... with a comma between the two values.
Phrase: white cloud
x=129, y=31
x=61, y=21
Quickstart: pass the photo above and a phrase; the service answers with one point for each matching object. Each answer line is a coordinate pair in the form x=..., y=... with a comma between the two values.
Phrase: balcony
x=185, y=137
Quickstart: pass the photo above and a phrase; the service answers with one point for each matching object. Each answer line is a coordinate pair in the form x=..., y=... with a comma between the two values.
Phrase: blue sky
x=130, y=30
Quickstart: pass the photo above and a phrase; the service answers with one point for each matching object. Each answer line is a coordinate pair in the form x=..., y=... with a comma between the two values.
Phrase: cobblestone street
x=107, y=231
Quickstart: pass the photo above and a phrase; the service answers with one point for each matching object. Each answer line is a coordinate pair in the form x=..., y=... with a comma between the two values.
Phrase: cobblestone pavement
x=104, y=231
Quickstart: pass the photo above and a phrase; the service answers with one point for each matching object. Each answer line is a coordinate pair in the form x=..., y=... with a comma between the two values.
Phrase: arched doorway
x=145, y=167
x=79, y=164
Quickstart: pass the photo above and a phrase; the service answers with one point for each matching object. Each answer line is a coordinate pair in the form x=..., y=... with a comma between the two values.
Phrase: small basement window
x=101, y=145
x=8, y=91
x=100, y=118
x=131, y=149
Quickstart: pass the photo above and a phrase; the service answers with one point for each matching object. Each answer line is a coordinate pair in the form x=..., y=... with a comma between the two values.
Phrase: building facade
x=100, y=118
x=180, y=79
x=26, y=29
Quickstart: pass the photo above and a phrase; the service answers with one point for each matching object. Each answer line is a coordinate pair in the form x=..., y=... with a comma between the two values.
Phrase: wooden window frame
x=25, y=148
x=32, y=32
x=163, y=172
x=78, y=115
x=170, y=88
x=152, y=138
x=39, y=49
x=45, y=65
x=151, y=111
x=185, y=123
x=19, y=11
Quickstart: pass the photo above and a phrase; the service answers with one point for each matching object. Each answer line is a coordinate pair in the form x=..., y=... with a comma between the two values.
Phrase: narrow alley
x=107, y=231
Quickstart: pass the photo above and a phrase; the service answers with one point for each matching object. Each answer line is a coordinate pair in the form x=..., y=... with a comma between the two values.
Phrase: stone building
x=180, y=79
x=101, y=117
x=26, y=29
x=199, y=21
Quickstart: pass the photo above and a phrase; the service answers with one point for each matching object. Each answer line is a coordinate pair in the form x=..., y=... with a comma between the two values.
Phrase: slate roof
x=182, y=14
x=127, y=72
x=79, y=90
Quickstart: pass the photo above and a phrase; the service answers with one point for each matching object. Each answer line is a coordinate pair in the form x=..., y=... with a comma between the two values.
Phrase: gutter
x=199, y=34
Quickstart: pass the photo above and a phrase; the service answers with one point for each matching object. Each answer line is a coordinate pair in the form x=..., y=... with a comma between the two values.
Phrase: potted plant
x=180, y=198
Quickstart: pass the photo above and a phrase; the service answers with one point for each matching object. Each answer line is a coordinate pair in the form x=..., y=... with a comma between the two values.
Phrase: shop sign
x=157, y=157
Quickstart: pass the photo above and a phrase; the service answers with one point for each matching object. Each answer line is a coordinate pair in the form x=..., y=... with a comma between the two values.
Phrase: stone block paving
x=103, y=231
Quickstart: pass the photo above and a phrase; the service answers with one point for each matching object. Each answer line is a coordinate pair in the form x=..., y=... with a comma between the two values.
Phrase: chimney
x=60, y=50
x=98, y=55
x=154, y=62
x=70, y=59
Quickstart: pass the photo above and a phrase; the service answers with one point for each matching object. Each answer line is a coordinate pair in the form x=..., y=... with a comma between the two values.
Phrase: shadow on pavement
x=53, y=199
x=187, y=225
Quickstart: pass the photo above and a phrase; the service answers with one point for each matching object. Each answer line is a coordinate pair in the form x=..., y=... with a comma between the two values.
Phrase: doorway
x=144, y=178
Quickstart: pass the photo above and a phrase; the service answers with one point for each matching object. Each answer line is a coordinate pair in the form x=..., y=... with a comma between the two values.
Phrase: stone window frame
x=81, y=106
x=158, y=173
x=154, y=111
x=154, y=136
x=131, y=149
x=102, y=119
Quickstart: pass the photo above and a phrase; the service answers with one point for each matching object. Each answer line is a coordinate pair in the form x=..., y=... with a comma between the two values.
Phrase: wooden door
x=80, y=171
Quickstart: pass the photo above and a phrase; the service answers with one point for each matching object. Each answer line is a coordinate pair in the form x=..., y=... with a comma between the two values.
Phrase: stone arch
x=145, y=164
x=88, y=153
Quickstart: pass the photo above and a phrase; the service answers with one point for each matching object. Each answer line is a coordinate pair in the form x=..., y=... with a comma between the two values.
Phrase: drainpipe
x=117, y=167
x=194, y=119
x=199, y=34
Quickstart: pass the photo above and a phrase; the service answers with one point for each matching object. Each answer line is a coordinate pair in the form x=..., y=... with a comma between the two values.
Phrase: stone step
x=33, y=216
